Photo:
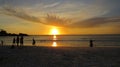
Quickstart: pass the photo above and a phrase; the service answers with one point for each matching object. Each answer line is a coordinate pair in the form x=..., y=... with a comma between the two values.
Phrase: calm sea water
x=70, y=41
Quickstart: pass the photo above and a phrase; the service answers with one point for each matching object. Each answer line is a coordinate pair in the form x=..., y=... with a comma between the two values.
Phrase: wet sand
x=30, y=56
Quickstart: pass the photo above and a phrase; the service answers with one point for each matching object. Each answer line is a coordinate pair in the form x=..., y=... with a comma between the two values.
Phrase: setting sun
x=54, y=31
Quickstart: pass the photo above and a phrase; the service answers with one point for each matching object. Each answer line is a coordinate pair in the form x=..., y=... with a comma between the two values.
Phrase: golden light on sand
x=54, y=31
x=54, y=44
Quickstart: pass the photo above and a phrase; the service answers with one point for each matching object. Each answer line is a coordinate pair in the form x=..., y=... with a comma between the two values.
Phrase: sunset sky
x=67, y=16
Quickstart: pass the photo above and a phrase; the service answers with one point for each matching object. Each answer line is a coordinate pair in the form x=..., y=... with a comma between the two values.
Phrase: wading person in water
x=91, y=43
x=33, y=41
x=17, y=40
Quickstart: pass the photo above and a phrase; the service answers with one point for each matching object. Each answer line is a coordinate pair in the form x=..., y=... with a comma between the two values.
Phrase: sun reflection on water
x=54, y=44
x=54, y=41
x=54, y=37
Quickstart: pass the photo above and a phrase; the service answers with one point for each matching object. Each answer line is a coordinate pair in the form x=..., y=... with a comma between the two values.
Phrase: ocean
x=68, y=40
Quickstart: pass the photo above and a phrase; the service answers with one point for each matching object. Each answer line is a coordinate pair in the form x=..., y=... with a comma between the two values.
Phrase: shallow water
x=68, y=40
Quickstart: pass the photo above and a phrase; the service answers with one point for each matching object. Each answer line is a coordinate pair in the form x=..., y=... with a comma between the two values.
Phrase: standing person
x=17, y=40
x=21, y=41
x=91, y=43
x=14, y=41
x=13, y=44
x=33, y=41
x=2, y=42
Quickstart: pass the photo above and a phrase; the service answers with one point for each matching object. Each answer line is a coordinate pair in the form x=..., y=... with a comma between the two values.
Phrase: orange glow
x=54, y=31
x=54, y=44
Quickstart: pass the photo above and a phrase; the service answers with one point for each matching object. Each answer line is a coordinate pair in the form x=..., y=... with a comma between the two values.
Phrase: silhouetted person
x=21, y=41
x=2, y=42
x=17, y=40
x=13, y=44
x=91, y=43
x=33, y=41
x=13, y=41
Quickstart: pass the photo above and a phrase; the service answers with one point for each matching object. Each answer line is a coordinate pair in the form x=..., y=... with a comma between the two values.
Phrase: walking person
x=91, y=43
x=17, y=41
x=21, y=41
x=33, y=41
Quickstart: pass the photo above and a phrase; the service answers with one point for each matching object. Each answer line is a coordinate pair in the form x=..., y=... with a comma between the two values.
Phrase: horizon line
x=69, y=34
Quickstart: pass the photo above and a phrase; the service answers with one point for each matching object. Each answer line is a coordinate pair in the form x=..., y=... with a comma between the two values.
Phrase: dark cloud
x=95, y=22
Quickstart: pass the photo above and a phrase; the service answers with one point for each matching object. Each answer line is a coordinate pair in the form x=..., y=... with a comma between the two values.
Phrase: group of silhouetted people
x=19, y=40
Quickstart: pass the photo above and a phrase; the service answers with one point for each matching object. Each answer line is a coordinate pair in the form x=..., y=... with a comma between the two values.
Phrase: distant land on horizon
x=5, y=33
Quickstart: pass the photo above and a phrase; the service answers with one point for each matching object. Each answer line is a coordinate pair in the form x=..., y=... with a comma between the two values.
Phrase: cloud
x=56, y=21
x=52, y=5
x=95, y=22
x=19, y=14
x=59, y=21
x=48, y=20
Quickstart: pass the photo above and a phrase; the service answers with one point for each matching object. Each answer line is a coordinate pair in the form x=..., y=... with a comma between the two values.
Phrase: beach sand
x=30, y=56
